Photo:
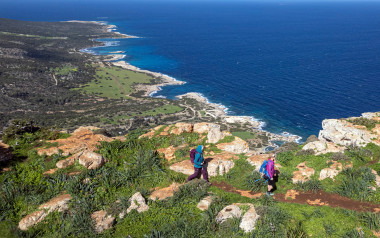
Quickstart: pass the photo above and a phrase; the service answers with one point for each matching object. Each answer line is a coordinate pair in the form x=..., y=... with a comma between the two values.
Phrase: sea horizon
x=287, y=65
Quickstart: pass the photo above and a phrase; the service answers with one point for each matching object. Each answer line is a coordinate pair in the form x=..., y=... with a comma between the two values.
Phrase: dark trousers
x=197, y=174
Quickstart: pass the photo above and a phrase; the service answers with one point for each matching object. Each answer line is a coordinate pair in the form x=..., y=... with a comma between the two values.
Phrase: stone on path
x=303, y=174
x=205, y=203
x=163, y=193
x=102, y=221
x=291, y=194
x=59, y=203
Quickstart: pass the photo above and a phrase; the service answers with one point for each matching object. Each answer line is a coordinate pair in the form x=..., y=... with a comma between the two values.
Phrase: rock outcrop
x=59, y=203
x=169, y=153
x=334, y=169
x=69, y=161
x=303, y=174
x=342, y=132
x=163, y=193
x=214, y=134
x=81, y=139
x=237, y=146
x=180, y=128
x=323, y=147
x=102, y=221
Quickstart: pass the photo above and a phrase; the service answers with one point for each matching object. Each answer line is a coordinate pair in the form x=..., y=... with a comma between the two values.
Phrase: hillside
x=87, y=184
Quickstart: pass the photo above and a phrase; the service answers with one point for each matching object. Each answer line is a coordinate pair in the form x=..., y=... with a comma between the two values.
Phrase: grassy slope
x=133, y=166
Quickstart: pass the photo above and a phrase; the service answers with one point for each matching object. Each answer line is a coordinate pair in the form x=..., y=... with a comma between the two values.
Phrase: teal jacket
x=198, y=160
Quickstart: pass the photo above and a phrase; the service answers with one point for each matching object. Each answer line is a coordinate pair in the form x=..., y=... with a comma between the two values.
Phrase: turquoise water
x=290, y=65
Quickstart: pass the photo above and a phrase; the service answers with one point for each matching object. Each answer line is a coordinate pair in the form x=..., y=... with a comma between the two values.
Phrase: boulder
x=249, y=219
x=237, y=146
x=219, y=167
x=202, y=127
x=102, y=221
x=137, y=202
x=214, y=134
x=216, y=165
x=91, y=160
x=181, y=128
x=345, y=133
x=230, y=211
x=169, y=153
x=59, y=203
x=205, y=203
x=163, y=193
x=303, y=174
x=323, y=147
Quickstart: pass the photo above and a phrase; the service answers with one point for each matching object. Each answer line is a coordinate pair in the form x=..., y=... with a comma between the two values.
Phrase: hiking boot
x=269, y=194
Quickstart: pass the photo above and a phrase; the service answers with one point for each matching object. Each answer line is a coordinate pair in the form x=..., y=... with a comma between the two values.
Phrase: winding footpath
x=319, y=198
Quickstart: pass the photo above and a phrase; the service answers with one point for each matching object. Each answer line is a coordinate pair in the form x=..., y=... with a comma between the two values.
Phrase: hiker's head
x=200, y=149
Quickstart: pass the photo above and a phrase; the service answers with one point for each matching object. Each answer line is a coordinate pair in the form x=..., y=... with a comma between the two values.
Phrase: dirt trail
x=320, y=198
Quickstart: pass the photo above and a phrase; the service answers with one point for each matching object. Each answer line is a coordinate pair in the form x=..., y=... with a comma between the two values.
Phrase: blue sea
x=288, y=64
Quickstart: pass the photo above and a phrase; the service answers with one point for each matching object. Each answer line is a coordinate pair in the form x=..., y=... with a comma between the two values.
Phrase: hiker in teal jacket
x=199, y=165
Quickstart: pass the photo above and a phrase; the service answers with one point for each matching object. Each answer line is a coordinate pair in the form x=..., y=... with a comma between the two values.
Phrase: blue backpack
x=263, y=168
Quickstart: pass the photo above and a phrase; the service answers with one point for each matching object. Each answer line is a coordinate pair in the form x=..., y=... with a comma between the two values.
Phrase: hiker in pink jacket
x=270, y=174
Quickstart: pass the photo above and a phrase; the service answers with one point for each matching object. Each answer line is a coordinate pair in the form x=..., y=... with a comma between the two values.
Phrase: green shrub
x=368, y=123
x=255, y=182
x=305, y=152
x=339, y=156
x=311, y=185
x=356, y=183
x=285, y=158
